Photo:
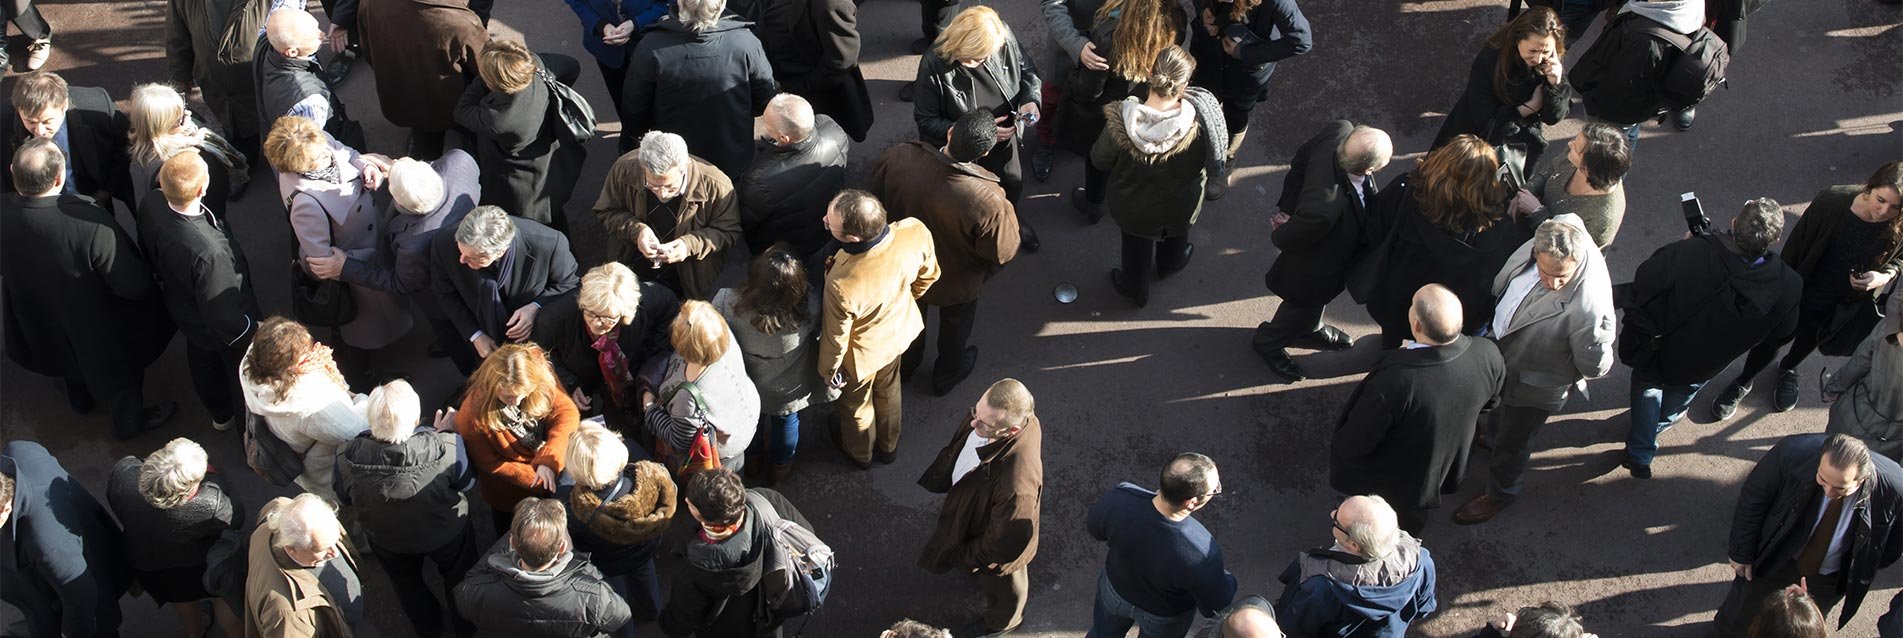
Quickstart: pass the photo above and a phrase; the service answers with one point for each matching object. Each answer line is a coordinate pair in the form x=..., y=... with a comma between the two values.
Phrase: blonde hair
x=700, y=334
x=184, y=177
x=611, y=290
x=156, y=113
x=170, y=476
x=596, y=456
x=296, y=145
x=392, y=411
x=974, y=34
x=514, y=366
x=1169, y=76
x=1143, y=30
x=507, y=66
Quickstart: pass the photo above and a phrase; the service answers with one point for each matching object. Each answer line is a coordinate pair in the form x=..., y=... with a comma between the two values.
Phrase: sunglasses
x=1335, y=520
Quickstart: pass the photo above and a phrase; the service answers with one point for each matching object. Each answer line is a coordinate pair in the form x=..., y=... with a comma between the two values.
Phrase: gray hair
x=300, y=521
x=1560, y=240
x=1365, y=150
x=169, y=476
x=700, y=15
x=792, y=112
x=1378, y=534
x=415, y=187
x=1847, y=452
x=1758, y=226
x=392, y=411
x=487, y=230
x=662, y=152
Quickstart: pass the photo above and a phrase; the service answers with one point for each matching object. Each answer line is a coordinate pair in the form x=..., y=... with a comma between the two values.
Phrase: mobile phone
x=1695, y=219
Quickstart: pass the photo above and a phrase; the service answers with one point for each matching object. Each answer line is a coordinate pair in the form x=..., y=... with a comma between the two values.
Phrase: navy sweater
x=1163, y=567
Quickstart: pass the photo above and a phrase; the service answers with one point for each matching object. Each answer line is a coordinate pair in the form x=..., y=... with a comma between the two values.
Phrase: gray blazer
x=342, y=215
x=1564, y=339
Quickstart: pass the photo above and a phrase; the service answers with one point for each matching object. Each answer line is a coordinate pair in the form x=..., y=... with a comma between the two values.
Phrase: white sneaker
x=36, y=54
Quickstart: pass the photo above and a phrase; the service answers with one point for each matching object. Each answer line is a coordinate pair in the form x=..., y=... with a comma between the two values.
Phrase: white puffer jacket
x=317, y=416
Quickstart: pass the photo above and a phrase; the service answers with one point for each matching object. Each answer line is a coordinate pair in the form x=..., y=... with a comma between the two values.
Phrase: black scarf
x=860, y=247
x=492, y=311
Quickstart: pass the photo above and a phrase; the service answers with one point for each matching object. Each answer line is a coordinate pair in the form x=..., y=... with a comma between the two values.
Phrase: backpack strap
x=1652, y=28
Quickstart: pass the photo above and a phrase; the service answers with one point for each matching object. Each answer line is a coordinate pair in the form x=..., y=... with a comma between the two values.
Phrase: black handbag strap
x=618, y=490
x=1715, y=291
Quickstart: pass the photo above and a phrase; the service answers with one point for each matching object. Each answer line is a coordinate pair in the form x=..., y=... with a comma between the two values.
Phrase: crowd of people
x=599, y=406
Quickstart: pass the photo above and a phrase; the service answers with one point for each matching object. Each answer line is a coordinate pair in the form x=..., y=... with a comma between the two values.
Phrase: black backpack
x=274, y=460
x=1697, y=70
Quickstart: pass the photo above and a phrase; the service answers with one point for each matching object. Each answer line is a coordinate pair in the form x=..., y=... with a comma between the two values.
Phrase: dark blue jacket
x=61, y=561
x=1317, y=605
x=597, y=14
x=1161, y=566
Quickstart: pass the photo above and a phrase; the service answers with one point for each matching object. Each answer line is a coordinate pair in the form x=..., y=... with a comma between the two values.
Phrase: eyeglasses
x=1335, y=520
x=1214, y=494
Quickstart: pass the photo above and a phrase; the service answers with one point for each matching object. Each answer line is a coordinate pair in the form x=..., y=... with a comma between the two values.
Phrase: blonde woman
x=617, y=513
x=528, y=169
x=515, y=422
x=177, y=506
x=598, y=340
x=977, y=63
x=706, y=389
x=161, y=127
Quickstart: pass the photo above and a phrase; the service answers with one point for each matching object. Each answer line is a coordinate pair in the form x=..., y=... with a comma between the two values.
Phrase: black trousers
x=215, y=378
x=1142, y=255
x=954, y=332
x=1095, y=181
x=453, y=560
x=933, y=15
x=23, y=14
x=128, y=404
x=1803, y=342
x=617, y=79
x=1290, y=322
x=461, y=352
x=1746, y=597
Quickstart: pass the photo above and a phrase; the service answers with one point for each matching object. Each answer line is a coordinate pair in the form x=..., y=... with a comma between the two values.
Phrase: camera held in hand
x=1695, y=219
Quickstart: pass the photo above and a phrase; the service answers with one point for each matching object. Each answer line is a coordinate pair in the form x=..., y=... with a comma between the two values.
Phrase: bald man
x=1321, y=227
x=1250, y=617
x=1408, y=425
x=1372, y=581
x=289, y=78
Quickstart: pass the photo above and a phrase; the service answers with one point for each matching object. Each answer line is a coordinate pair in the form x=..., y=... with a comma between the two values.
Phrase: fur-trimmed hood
x=639, y=516
x=1149, y=135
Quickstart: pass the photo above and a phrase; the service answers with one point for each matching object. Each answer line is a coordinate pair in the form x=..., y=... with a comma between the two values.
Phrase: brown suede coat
x=424, y=55
x=871, y=312
x=709, y=219
x=974, y=227
x=990, y=518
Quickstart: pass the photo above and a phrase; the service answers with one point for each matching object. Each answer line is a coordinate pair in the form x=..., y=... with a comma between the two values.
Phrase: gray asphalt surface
x=1811, y=103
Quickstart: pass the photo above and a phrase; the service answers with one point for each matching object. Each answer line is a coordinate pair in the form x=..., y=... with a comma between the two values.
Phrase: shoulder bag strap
x=619, y=490
x=1716, y=290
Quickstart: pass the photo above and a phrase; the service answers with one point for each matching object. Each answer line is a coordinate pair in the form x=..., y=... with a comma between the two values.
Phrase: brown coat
x=990, y=518
x=871, y=312
x=505, y=470
x=424, y=55
x=709, y=219
x=974, y=227
x=283, y=599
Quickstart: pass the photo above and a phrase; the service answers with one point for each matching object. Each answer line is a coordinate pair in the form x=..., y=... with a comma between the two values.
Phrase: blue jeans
x=1656, y=405
x=781, y=435
x=1631, y=138
x=1113, y=616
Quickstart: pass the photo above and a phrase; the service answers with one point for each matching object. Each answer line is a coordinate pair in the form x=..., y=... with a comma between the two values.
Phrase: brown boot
x=776, y=473
x=1235, y=143
x=1479, y=510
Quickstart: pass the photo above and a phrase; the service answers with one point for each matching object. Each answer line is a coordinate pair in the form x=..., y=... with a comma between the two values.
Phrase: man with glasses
x=302, y=578
x=670, y=216
x=493, y=275
x=1373, y=580
x=1163, y=566
x=992, y=474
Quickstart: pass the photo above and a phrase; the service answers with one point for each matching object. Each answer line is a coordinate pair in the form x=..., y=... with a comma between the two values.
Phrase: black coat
x=96, y=134
x=401, y=264
x=814, y=46
x=559, y=330
x=1806, y=243
x=1780, y=501
x=80, y=300
x=527, y=168
x=1619, y=75
x=162, y=539
x=943, y=95
x=1327, y=226
x=573, y=602
x=784, y=195
x=1709, y=306
x=203, y=275
x=544, y=272
x=1408, y=426
x=716, y=589
x=1420, y=253
x=1481, y=113
x=408, y=496
x=1280, y=31
x=61, y=560
x=706, y=86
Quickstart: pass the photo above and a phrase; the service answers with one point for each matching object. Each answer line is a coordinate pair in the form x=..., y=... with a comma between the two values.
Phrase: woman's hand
x=1209, y=22
x=1872, y=280
x=581, y=399
x=1087, y=57
x=1554, y=71
x=1030, y=112
x=544, y=478
x=445, y=420
x=373, y=175
x=618, y=34
x=327, y=266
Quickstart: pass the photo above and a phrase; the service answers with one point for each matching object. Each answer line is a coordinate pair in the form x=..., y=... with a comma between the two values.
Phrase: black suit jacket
x=1778, y=507
x=203, y=274
x=1324, y=235
x=62, y=562
x=96, y=132
x=545, y=271
x=1408, y=425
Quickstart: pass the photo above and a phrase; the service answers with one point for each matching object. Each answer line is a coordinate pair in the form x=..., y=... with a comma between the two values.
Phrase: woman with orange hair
x=516, y=420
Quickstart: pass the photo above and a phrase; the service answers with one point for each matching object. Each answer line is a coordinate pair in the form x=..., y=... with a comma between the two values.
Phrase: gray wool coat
x=342, y=215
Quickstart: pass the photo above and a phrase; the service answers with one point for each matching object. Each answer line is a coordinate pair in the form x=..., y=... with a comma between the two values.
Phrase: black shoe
x=1181, y=263
x=942, y=387
x=919, y=46
x=1786, y=397
x=883, y=457
x=905, y=92
x=1041, y=163
x=154, y=417
x=1027, y=237
x=237, y=191
x=1727, y=403
x=1284, y=366
x=1117, y=282
x=1093, y=211
x=78, y=397
x=1638, y=471
x=1327, y=338
x=1683, y=119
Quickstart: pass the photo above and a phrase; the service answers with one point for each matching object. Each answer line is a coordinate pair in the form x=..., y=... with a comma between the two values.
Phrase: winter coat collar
x=1164, y=137
x=639, y=515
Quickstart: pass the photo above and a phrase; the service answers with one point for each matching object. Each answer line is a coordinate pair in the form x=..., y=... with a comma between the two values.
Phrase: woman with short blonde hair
x=617, y=513
x=974, y=34
x=977, y=63
x=163, y=127
x=507, y=66
x=599, y=339
x=527, y=166
x=706, y=389
x=610, y=291
x=177, y=506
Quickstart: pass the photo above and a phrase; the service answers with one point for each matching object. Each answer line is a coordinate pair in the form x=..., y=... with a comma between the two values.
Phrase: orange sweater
x=504, y=470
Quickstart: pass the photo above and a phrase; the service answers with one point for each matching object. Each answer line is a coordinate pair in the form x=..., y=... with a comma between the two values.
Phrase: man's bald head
x=1250, y=622
x=293, y=32
x=1369, y=524
x=1435, y=315
x=1366, y=150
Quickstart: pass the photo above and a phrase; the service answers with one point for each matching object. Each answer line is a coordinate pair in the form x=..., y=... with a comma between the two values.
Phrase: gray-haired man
x=669, y=215
x=495, y=273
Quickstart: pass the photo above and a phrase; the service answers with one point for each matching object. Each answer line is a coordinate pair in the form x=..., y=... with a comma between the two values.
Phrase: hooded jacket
x=568, y=600
x=1157, y=163
x=408, y=495
x=1618, y=77
x=620, y=535
x=706, y=86
x=1871, y=387
x=1709, y=304
x=315, y=416
x=716, y=590
x=1334, y=593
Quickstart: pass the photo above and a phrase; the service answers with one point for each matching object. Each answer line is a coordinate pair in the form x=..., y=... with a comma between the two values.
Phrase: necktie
x=1811, y=560
x=1367, y=192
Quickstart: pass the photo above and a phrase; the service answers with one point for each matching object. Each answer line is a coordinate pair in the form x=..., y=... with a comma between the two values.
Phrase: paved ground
x=1811, y=104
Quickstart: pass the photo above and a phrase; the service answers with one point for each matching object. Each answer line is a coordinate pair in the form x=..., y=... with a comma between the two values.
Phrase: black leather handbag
x=323, y=303
x=578, y=118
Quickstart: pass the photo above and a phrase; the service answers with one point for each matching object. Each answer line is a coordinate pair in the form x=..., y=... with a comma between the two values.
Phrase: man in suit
x=992, y=476
x=1320, y=226
x=1408, y=425
x=205, y=282
x=61, y=561
x=870, y=313
x=80, y=302
x=974, y=231
x=495, y=273
x=1554, y=325
x=82, y=121
x=1817, y=508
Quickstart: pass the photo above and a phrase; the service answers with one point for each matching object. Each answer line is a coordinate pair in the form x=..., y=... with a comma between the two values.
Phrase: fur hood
x=1149, y=135
x=639, y=516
